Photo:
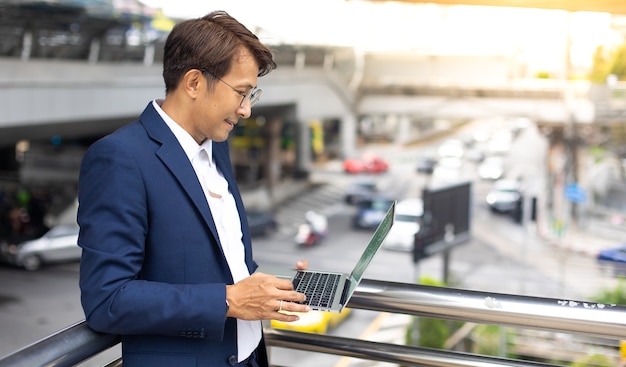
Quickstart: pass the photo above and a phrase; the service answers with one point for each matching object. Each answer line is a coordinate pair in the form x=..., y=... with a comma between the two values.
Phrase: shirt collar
x=190, y=146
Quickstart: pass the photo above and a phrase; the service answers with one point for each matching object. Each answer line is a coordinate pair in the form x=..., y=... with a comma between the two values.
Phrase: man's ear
x=193, y=82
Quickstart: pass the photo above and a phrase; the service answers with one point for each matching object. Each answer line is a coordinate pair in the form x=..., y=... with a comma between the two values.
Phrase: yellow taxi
x=314, y=321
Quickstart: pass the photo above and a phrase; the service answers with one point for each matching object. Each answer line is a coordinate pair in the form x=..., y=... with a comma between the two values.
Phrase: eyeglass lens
x=253, y=96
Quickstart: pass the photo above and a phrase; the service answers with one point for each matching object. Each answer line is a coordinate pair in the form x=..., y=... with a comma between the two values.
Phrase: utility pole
x=570, y=134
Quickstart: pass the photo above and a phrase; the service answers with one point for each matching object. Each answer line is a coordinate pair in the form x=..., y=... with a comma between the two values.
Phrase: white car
x=402, y=234
x=500, y=142
x=452, y=148
x=505, y=196
x=492, y=168
x=59, y=244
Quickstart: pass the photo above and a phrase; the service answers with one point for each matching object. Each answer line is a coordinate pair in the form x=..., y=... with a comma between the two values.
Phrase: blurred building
x=72, y=71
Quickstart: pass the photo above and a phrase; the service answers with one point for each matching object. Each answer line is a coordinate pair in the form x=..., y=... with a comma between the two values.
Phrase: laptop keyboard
x=319, y=288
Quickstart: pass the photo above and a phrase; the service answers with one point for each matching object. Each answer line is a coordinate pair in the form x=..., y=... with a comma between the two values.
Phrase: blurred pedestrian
x=167, y=258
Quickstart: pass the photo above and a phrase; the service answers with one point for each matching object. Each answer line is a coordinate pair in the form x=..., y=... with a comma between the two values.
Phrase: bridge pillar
x=303, y=151
x=348, y=136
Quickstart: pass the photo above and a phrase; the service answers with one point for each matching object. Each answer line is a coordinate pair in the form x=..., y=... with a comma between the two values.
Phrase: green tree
x=433, y=333
x=600, y=67
x=594, y=360
x=615, y=295
x=607, y=62
x=618, y=63
x=489, y=340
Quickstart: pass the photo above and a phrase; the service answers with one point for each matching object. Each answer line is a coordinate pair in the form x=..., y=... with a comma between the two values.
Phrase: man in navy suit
x=167, y=258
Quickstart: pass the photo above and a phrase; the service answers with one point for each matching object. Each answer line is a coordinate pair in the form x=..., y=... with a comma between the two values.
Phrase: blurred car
x=261, y=223
x=500, y=142
x=613, y=259
x=448, y=170
x=314, y=321
x=59, y=244
x=492, y=168
x=371, y=211
x=481, y=135
x=360, y=190
x=451, y=148
x=474, y=154
x=367, y=164
x=426, y=165
x=450, y=162
x=505, y=196
x=402, y=234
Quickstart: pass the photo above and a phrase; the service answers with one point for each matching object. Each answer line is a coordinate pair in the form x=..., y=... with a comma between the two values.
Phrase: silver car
x=505, y=196
x=59, y=244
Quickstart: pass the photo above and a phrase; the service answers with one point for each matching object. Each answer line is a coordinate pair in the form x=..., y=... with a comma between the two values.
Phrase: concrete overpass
x=402, y=97
x=84, y=85
x=74, y=74
x=73, y=98
x=42, y=98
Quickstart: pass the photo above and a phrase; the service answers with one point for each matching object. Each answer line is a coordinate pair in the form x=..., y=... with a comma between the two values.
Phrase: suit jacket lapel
x=174, y=158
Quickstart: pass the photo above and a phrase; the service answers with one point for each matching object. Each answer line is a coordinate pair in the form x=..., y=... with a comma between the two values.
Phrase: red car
x=368, y=164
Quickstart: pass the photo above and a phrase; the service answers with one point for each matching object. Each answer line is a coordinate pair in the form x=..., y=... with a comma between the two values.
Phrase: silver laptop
x=330, y=291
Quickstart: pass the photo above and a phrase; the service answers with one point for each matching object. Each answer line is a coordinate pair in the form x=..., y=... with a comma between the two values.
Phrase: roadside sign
x=575, y=193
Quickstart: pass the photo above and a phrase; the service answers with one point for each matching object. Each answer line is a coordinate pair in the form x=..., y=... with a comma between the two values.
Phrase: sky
x=537, y=37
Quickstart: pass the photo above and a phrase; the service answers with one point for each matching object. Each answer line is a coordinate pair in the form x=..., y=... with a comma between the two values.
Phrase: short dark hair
x=211, y=43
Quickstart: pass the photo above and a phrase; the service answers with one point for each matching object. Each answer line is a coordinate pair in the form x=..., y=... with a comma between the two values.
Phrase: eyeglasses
x=252, y=95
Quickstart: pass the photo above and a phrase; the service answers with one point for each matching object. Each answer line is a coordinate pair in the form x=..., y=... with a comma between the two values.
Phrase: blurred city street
x=523, y=103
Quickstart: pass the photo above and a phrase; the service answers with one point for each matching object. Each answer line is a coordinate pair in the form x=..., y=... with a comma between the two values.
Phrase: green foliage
x=618, y=64
x=489, y=340
x=433, y=333
x=594, y=360
x=600, y=67
x=598, y=153
x=607, y=62
x=616, y=295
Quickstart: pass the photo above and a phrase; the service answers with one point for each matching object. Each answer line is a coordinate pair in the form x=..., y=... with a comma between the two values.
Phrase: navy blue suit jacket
x=153, y=269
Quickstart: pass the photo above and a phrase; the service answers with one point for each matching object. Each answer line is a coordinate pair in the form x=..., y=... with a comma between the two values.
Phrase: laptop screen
x=373, y=246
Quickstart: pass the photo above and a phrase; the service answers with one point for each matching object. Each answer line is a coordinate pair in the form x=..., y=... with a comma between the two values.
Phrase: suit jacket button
x=233, y=360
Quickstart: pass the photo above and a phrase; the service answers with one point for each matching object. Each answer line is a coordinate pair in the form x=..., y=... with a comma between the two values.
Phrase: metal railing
x=78, y=342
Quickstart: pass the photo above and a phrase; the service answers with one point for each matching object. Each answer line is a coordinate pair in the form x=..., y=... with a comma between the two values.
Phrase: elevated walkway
x=78, y=98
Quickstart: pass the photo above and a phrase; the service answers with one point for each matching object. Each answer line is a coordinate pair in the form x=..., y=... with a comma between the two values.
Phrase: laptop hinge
x=344, y=293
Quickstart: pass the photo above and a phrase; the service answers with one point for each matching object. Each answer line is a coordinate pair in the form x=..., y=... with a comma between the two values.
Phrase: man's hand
x=261, y=297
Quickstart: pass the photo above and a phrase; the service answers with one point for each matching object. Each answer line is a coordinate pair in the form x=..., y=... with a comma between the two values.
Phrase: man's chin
x=221, y=137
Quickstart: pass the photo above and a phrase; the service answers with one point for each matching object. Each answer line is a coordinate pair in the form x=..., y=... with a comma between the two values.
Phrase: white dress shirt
x=226, y=218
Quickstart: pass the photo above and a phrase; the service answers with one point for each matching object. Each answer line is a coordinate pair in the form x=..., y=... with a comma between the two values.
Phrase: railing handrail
x=67, y=347
x=386, y=352
x=78, y=342
x=556, y=314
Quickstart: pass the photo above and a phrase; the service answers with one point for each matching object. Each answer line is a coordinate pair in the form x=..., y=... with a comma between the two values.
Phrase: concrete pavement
x=579, y=240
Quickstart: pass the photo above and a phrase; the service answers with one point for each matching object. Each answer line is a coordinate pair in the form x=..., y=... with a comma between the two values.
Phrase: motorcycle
x=313, y=230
